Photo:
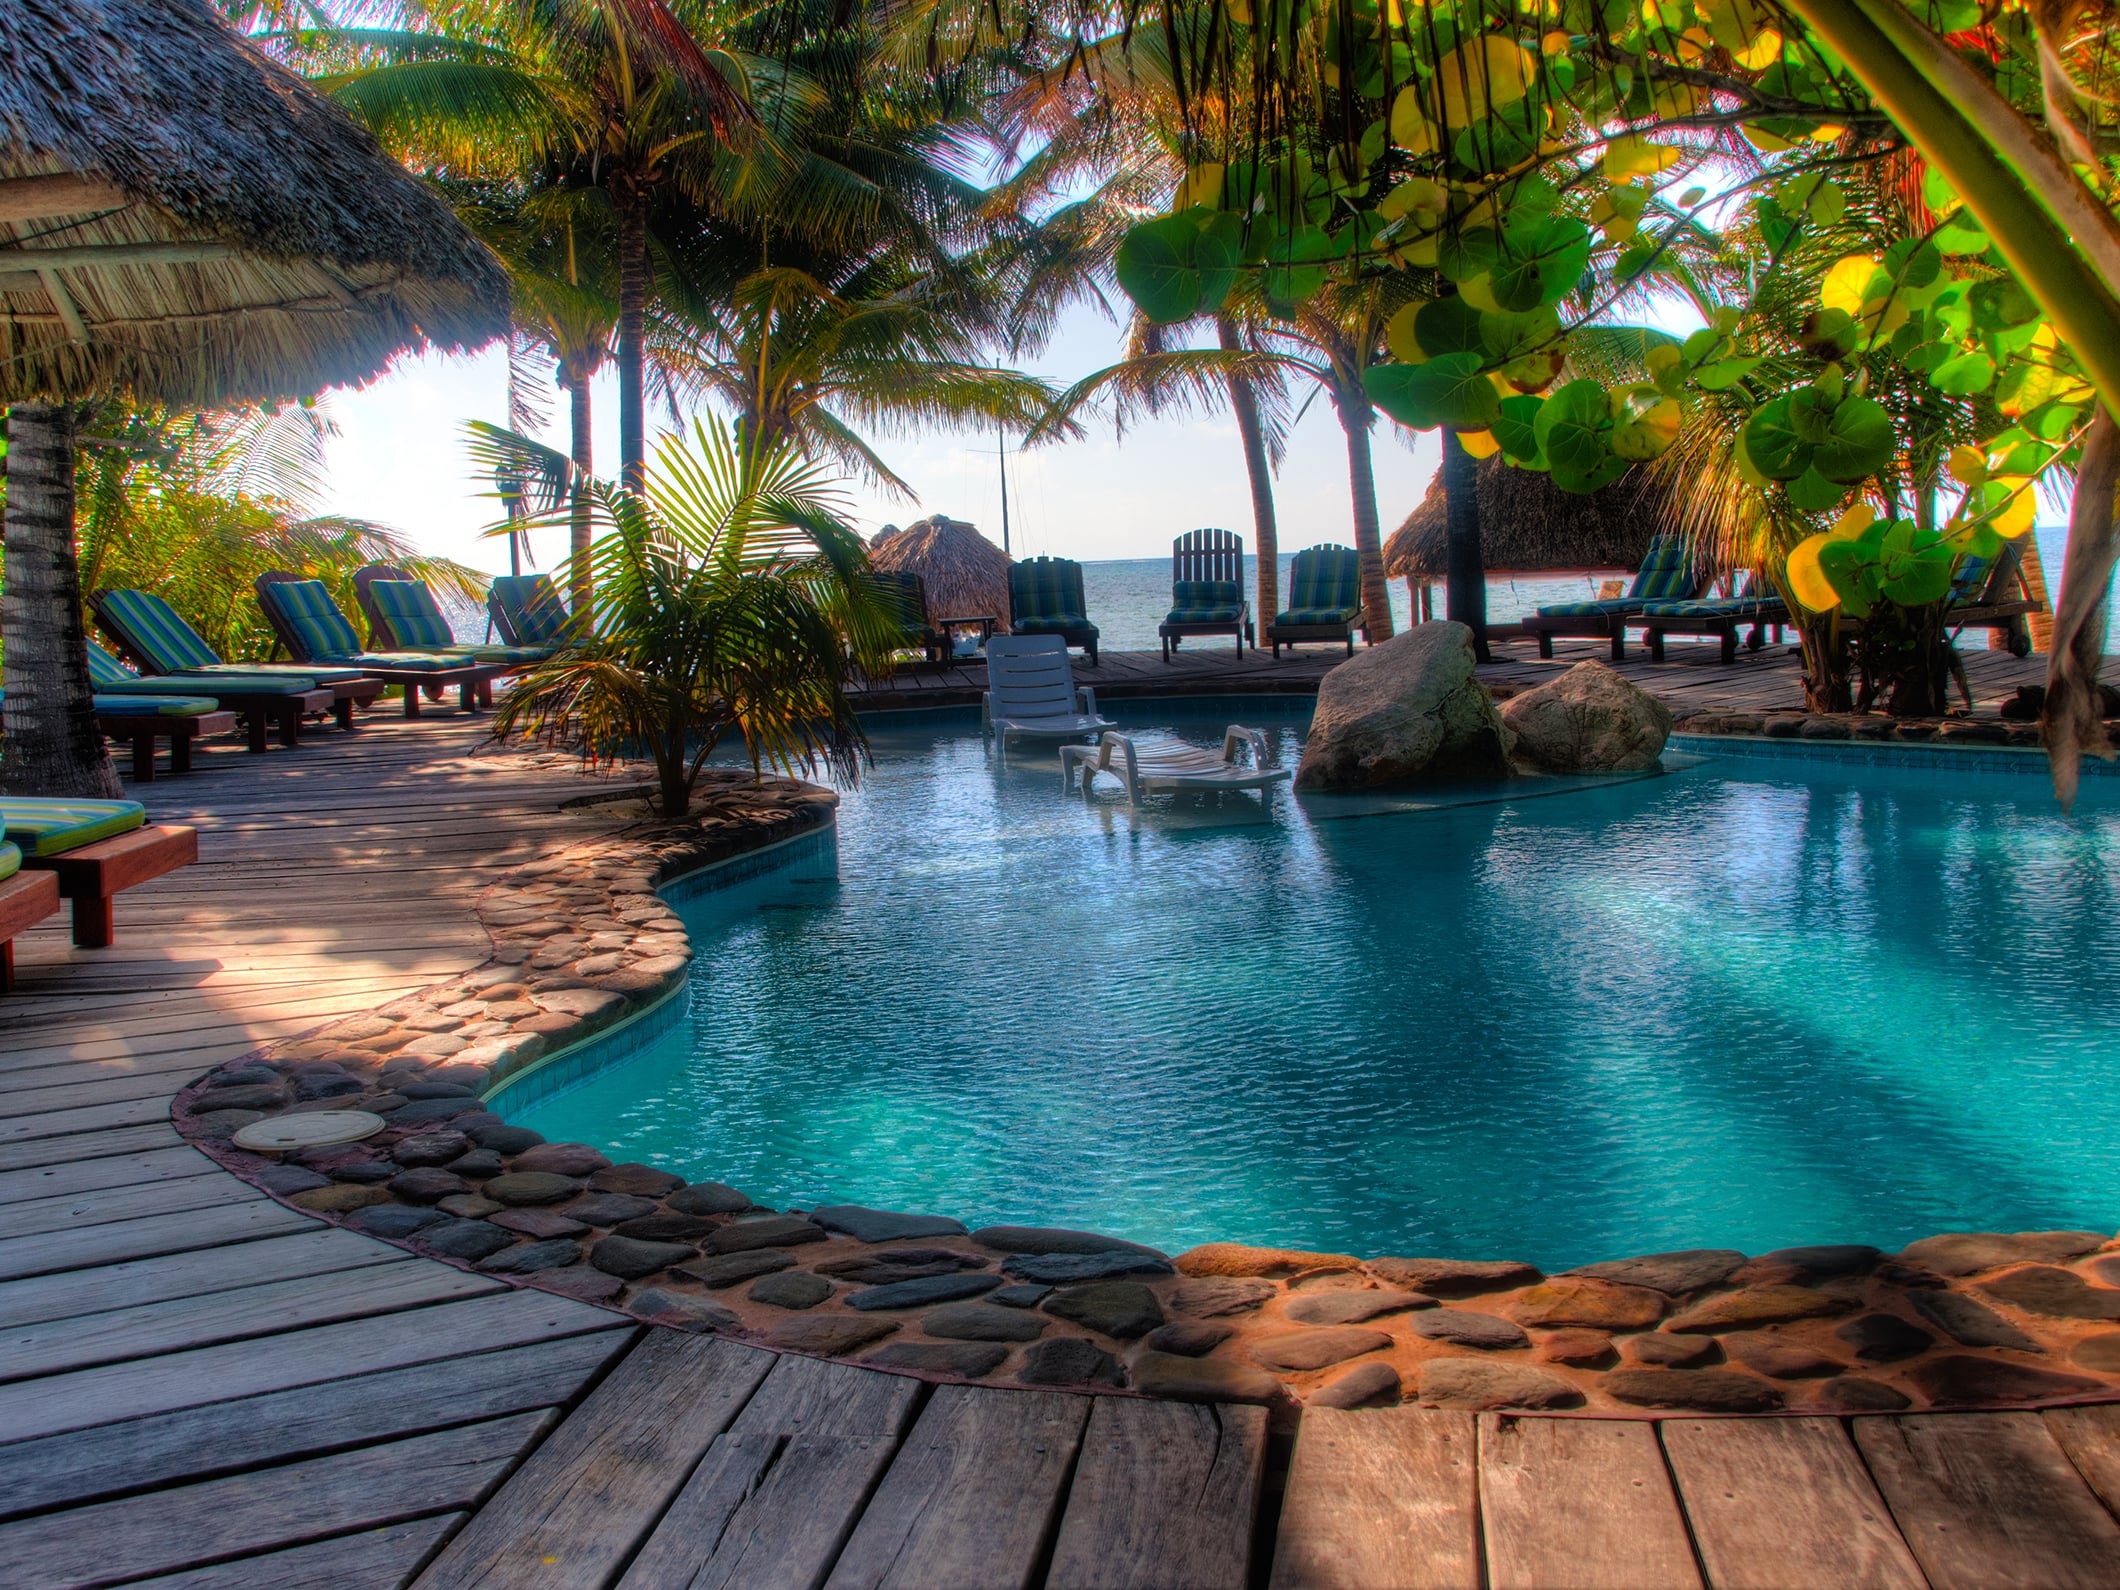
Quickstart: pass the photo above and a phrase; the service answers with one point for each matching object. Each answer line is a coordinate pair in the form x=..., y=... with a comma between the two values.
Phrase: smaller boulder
x=1590, y=720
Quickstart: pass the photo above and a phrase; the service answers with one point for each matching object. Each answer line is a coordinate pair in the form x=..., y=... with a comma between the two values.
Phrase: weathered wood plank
x=775, y=1497
x=577, y=1509
x=1988, y=1500
x=971, y=1497
x=68, y=1178
x=89, y=1118
x=162, y=1531
x=1381, y=1499
x=120, y=1240
x=1780, y=1502
x=2091, y=1438
x=1579, y=1504
x=206, y=1375
x=176, y=1324
x=82, y=1090
x=75, y=1211
x=88, y=1145
x=374, y=1559
x=1163, y=1497
x=317, y=1251
x=250, y=1432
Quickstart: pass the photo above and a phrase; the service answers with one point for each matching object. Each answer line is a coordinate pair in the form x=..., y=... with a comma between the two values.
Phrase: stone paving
x=582, y=940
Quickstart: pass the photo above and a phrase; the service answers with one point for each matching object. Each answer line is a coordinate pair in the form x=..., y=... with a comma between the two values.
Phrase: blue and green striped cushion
x=1067, y=624
x=111, y=677
x=319, y=629
x=10, y=861
x=1714, y=607
x=1611, y=605
x=415, y=619
x=536, y=615
x=1049, y=589
x=53, y=827
x=1665, y=575
x=156, y=706
x=1204, y=602
x=156, y=632
x=1324, y=578
x=1310, y=617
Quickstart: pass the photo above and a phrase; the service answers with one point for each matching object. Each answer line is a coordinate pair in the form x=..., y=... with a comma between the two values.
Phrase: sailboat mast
x=1001, y=453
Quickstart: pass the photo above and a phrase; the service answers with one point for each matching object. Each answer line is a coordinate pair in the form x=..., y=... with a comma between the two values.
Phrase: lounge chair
x=1994, y=595
x=267, y=700
x=1152, y=761
x=527, y=610
x=1666, y=575
x=1206, y=589
x=26, y=898
x=141, y=720
x=1045, y=598
x=1031, y=692
x=904, y=593
x=1718, y=616
x=94, y=849
x=309, y=624
x=1324, y=599
x=403, y=615
x=154, y=637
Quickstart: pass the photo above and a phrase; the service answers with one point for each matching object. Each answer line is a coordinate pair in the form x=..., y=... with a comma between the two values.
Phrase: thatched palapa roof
x=966, y=575
x=1528, y=525
x=184, y=221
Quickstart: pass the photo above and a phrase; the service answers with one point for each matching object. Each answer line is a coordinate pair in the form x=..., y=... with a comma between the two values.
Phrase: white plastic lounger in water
x=1030, y=690
x=1153, y=760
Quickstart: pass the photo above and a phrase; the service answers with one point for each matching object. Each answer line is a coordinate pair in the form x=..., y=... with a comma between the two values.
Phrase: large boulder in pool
x=1403, y=712
x=1590, y=720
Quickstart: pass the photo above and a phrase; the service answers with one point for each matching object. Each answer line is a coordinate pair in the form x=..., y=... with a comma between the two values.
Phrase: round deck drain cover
x=310, y=1129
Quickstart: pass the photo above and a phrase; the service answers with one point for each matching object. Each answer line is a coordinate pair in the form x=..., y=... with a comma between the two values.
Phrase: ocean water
x=1744, y=1004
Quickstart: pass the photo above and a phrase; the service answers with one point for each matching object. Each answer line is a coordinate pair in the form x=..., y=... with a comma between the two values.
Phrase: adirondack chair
x=1045, y=598
x=1206, y=589
x=1324, y=599
x=1031, y=691
x=1152, y=761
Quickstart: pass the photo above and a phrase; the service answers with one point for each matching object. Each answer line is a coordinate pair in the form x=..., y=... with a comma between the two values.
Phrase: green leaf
x=1964, y=375
x=1516, y=428
x=2000, y=303
x=1919, y=580
x=1573, y=428
x=1811, y=492
x=1154, y=264
x=1460, y=256
x=1858, y=441
x=1772, y=442
x=1448, y=390
x=1296, y=265
x=1448, y=325
x=1540, y=264
x=1726, y=373
x=1507, y=336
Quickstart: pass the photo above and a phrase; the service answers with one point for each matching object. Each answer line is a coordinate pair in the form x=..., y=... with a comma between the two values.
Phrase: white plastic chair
x=1152, y=761
x=1031, y=691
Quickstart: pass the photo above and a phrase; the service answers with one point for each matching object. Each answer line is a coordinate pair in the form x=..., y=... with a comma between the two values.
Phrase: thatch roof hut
x=1528, y=525
x=184, y=221
x=966, y=575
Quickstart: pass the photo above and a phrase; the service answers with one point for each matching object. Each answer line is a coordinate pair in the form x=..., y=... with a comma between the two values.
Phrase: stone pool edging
x=583, y=942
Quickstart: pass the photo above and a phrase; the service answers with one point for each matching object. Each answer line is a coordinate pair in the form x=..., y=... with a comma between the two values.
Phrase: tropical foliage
x=727, y=599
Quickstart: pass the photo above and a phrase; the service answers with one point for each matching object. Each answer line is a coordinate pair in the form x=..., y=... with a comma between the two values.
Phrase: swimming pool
x=1746, y=1003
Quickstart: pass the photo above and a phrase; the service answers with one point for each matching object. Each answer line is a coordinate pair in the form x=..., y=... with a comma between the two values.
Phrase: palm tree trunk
x=2070, y=724
x=51, y=746
x=632, y=334
x=1356, y=417
x=575, y=376
x=1264, y=529
x=1465, y=573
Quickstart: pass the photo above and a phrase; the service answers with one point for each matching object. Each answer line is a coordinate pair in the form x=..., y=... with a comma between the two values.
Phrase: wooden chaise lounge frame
x=94, y=875
x=474, y=681
x=25, y=900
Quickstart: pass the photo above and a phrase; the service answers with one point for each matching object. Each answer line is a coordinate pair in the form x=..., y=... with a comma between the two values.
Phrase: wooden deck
x=1692, y=679
x=202, y=1388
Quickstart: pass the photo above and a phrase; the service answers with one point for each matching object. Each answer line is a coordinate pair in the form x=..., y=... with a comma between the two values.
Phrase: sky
x=399, y=459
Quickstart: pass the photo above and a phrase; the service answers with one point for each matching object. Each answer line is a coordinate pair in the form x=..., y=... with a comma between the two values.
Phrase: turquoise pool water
x=1744, y=1004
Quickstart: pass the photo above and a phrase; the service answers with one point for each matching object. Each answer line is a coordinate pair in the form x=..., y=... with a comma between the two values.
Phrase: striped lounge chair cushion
x=10, y=860
x=1204, y=602
x=156, y=632
x=1613, y=604
x=321, y=631
x=112, y=678
x=156, y=706
x=536, y=615
x=1047, y=592
x=413, y=615
x=1312, y=617
x=1324, y=579
x=1714, y=607
x=53, y=827
x=1060, y=624
x=1665, y=576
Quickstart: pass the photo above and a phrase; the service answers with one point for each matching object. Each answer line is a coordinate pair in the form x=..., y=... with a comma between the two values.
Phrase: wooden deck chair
x=1324, y=599
x=1045, y=598
x=1666, y=575
x=26, y=898
x=1031, y=692
x=528, y=611
x=1206, y=589
x=153, y=637
x=1755, y=604
x=94, y=849
x=403, y=615
x=309, y=624
x=1154, y=761
x=267, y=701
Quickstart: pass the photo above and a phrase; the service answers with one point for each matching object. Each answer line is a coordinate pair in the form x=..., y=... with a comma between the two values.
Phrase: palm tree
x=624, y=97
x=728, y=600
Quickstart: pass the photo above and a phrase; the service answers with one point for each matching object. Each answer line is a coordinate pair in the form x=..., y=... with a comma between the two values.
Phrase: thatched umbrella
x=1528, y=525
x=183, y=222
x=966, y=575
